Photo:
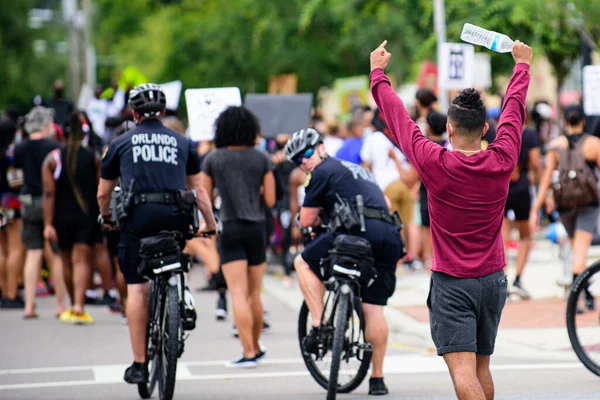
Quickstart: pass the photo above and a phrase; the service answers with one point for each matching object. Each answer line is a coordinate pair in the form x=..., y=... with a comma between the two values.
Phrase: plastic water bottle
x=482, y=37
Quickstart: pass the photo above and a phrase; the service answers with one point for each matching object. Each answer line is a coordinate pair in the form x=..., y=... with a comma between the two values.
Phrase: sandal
x=33, y=315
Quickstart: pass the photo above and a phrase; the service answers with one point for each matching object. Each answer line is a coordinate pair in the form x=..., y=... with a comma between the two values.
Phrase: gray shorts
x=580, y=219
x=464, y=314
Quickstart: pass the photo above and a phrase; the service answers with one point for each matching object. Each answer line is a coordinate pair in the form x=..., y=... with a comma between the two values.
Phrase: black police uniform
x=331, y=177
x=158, y=159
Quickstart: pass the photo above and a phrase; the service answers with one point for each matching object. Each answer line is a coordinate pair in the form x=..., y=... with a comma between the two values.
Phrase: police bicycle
x=171, y=310
x=343, y=358
x=584, y=327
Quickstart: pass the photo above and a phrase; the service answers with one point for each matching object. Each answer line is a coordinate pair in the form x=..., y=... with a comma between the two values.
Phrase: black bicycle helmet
x=301, y=141
x=148, y=100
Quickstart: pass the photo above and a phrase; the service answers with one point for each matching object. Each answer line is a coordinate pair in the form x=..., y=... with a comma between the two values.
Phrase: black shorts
x=464, y=314
x=243, y=240
x=386, y=246
x=520, y=203
x=71, y=231
x=145, y=221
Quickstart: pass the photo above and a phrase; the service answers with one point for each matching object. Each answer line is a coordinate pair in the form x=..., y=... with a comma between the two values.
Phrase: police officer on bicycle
x=328, y=181
x=155, y=165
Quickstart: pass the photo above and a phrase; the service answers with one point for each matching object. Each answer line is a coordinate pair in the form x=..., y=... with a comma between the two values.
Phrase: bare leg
x=255, y=276
x=120, y=281
x=56, y=270
x=376, y=333
x=137, y=319
x=312, y=289
x=581, y=244
x=33, y=265
x=236, y=276
x=102, y=263
x=81, y=271
x=463, y=370
x=524, y=246
x=3, y=261
x=16, y=257
x=485, y=376
x=68, y=274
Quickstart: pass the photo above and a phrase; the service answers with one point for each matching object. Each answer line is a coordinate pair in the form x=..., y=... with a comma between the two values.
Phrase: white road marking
x=394, y=365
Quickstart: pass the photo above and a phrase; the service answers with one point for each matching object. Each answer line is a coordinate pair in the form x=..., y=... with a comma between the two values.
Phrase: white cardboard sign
x=205, y=105
x=456, y=66
x=172, y=91
x=591, y=90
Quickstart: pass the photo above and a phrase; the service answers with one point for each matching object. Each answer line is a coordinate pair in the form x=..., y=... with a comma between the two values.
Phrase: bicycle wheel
x=146, y=389
x=170, y=344
x=357, y=362
x=341, y=322
x=584, y=329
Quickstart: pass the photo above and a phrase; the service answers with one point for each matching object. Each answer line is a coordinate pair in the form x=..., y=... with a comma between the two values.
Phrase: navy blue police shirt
x=333, y=176
x=158, y=158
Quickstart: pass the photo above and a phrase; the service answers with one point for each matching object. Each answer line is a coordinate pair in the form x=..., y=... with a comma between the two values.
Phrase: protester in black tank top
x=70, y=180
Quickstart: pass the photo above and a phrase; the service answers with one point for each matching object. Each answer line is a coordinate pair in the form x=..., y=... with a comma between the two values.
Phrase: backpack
x=575, y=183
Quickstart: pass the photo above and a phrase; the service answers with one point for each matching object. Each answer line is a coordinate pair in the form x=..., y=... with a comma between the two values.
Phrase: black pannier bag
x=352, y=253
x=159, y=251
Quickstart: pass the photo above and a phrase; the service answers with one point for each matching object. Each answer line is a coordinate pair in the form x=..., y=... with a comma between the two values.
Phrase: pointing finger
x=383, y=44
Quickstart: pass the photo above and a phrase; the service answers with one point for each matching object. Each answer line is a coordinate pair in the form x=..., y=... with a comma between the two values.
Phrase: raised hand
x=521, y=53
x=380, y=57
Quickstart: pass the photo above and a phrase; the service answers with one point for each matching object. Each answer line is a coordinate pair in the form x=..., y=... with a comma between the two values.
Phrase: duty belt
x=376, y=213
x=158, y=198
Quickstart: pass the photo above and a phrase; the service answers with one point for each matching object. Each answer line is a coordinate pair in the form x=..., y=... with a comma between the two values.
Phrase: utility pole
x=69, y=12
x=88, y=47
x=439, y=20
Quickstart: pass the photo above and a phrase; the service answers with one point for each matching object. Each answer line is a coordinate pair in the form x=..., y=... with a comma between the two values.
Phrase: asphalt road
x=45, y=359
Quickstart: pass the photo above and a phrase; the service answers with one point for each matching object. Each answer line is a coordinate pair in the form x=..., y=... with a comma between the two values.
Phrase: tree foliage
x=214, y=43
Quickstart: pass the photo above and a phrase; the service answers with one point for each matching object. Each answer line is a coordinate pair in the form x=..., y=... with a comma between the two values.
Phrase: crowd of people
x=53, y=158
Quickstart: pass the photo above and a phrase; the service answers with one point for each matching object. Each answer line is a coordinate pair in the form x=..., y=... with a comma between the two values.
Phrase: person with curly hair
x=244, y=177
x=467, y=190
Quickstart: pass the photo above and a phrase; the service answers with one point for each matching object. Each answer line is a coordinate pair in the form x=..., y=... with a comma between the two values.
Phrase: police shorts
x=386, y=247
x=145, y=221
x=71, y=231
x=243, y=240
x=520, y=203
x=464, y=314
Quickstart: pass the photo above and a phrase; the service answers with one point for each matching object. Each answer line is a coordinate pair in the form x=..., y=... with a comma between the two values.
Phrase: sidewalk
x=534, y=328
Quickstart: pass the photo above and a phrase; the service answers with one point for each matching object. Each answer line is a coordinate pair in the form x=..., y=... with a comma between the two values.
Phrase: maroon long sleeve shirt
x=467, y=195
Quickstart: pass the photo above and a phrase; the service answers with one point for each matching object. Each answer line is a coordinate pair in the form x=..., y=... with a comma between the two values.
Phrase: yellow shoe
x=81, y=319
x=66, y=316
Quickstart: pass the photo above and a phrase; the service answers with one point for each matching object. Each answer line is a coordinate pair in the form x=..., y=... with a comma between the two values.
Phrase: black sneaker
x=590, y=302
x=242, y=363
x=260, y=356
x=377, y=387
x=136, y=373
x=312, y=342
x=221, y=311
x=15, y=304
x=107, y=300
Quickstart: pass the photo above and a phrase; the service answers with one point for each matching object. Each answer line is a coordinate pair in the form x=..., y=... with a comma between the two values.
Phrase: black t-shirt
x=158, y=158
x=529, y=141
x=29, y=156
x=333, y=176
x=66, y=204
